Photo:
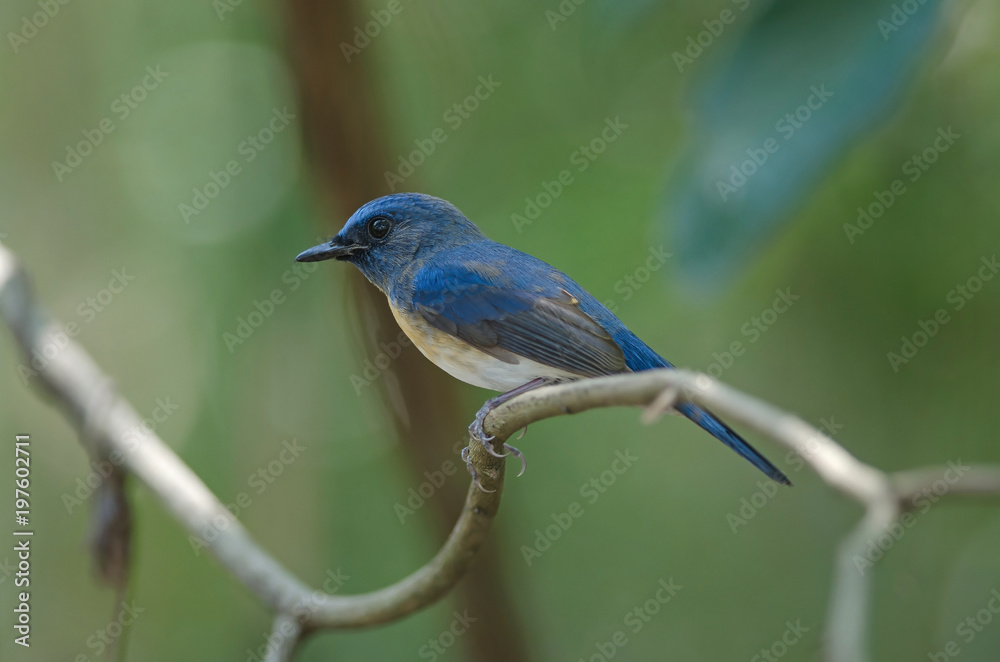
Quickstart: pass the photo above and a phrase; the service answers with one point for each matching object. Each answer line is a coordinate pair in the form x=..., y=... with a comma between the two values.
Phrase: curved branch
x=108, y=423
x=105, y=418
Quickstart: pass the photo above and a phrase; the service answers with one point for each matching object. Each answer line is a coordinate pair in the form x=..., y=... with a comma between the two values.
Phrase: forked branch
x=107, y=423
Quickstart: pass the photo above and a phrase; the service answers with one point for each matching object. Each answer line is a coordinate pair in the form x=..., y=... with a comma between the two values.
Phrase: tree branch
x=285, y=636
x=107, y=421
x=104, y=419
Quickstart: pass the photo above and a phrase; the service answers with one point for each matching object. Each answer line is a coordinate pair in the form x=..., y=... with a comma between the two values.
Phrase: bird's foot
x=477, y=433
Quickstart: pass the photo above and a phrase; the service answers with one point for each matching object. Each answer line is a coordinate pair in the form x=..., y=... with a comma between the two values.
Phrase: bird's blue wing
x=493, y=312
x=511, y=305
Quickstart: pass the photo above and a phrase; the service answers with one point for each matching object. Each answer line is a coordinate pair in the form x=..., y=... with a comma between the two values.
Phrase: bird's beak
x=330, y=250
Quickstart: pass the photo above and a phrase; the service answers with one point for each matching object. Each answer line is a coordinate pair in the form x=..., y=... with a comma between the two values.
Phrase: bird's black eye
x=378, y=227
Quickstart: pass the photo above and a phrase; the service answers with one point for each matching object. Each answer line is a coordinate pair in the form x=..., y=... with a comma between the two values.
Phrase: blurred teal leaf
x=757, y=149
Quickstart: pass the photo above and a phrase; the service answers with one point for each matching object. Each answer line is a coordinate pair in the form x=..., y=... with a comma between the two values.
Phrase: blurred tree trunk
x=348, y=153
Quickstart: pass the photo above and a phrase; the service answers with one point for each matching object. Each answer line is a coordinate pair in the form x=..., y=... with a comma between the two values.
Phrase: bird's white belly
x=472, y=366
x=488, y=372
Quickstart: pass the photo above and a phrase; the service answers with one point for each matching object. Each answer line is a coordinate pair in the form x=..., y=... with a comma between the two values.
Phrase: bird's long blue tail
x=725, y=434
x=639, y=356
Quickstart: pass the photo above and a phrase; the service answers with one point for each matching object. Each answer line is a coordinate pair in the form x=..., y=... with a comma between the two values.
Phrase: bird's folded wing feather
x=544, y=323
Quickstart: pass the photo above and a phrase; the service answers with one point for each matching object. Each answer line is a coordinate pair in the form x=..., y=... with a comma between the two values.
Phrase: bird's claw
x=519, y=455
x=478, y=433
x=472, y=470
x=511, y=450
x=489, y=449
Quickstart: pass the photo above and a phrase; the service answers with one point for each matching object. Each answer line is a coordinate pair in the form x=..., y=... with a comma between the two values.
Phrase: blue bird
x=491, y=315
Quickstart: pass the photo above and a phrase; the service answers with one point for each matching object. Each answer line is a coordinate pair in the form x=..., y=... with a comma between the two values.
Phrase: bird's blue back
x=508, y=267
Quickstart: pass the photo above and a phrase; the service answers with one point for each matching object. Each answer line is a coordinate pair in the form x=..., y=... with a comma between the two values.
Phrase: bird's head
x=391, y=234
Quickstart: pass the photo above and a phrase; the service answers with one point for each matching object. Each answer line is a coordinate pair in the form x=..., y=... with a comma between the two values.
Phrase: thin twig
x=286, y=633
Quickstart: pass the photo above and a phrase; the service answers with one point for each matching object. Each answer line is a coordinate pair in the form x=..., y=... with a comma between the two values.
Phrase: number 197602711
x=22, y=473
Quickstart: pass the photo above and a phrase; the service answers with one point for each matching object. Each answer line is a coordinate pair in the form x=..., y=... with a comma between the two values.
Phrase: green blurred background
x=163, y=337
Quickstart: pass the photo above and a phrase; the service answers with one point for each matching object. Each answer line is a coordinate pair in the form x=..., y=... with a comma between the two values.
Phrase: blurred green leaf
x=807, y=79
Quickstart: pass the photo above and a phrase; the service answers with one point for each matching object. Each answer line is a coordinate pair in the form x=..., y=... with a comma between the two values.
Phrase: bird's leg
x=476, y=429
x=479, y=434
